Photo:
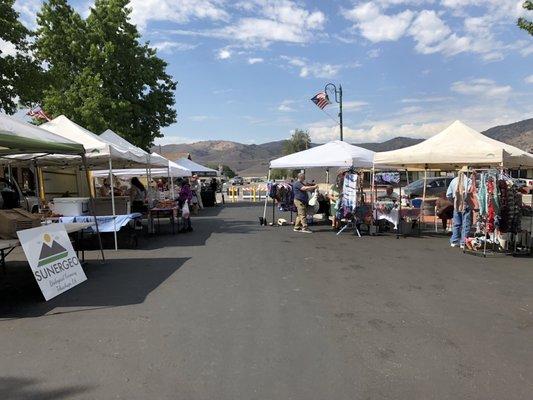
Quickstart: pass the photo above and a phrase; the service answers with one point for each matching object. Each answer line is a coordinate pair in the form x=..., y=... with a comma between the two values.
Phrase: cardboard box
x=15, y=220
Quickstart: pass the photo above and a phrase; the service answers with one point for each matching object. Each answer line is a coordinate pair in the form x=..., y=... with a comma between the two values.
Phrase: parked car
x=435, y=187
x=237, y=181
x=12, y=196
x=526, y=184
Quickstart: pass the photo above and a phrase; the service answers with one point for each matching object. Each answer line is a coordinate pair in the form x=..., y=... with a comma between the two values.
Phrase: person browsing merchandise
x=459, y=192
x=300, y=201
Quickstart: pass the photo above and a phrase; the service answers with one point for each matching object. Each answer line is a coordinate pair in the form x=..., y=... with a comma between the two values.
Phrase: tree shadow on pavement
x=118, y=282
x=27, y=389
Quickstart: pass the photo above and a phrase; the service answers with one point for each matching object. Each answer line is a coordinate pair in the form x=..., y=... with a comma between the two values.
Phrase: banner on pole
x=54, y=264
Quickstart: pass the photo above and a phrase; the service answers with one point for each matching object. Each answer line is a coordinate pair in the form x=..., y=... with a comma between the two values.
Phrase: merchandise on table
x=387, y=178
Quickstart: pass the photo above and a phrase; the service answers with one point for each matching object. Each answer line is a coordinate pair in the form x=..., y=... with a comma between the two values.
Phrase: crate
x=17, y=219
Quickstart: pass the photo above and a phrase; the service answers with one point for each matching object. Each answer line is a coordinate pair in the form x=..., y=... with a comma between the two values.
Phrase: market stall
x=29, y=142
x=195, y=168
x=456, y=147
x=100, y=153
x=335, y=154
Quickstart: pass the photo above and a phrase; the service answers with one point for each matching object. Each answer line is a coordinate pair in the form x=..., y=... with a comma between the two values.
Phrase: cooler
x=71, y=206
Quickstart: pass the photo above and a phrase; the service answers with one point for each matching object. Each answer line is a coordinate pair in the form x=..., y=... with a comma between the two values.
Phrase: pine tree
x=101, y=75
x=524, y=23
x=19, y=73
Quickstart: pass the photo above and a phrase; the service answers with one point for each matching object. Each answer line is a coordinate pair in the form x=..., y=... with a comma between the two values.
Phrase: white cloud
x=378, y=27
x=421, y=123
x=528, y=79
x=316, y=69
x=179, y=11
x=7, y=48
x=286, y=106
x=428, y=99
x=354, y=105
x=275, y=21
x=269, y=21
x=223, y=54
x=526, y=50
x=199, y=118
x=432, y=34
x=374, y=53
x=377, y=131
x=481, y=87
x=27, y=10
x=255, y=60
x=428, y=29
x=170, y=47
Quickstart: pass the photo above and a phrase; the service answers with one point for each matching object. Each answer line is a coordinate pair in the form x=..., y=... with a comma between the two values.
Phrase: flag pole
x=338, y=99
x=340, y=110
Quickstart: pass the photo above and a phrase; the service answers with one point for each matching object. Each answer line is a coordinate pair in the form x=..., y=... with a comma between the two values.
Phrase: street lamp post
x=338, y=99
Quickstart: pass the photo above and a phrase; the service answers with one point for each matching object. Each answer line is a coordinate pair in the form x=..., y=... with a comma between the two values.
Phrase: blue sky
x=247, y=69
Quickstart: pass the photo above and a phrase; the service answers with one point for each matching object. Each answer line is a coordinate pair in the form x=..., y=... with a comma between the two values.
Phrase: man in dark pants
x=300, y=201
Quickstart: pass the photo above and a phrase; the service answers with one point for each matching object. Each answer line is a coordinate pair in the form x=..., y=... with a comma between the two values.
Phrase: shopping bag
x=185, y=212
x=313, y=201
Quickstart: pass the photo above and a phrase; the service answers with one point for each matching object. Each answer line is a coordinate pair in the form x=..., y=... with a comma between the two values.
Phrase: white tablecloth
x=105, y=222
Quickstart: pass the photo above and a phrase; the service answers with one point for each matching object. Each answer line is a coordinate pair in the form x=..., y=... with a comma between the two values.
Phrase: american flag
x=38, y=113
x=321, y=99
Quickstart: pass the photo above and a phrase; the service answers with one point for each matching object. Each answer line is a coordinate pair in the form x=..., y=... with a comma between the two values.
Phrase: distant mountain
x=238, y=156
x=392, y=144
x=519, y=134
x=253, y=159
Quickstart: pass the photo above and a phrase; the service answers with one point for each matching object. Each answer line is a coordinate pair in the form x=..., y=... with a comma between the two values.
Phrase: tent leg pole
x=91, y=200
x=372, y=193
x=113, y=202
x=421, y=214
x=36, y=183
x=266, y=196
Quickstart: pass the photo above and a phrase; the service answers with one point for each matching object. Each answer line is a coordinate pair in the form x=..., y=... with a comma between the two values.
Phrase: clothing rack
x=500, y=174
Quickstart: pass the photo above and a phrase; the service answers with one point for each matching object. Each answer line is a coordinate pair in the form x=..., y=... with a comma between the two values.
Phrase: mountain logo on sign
x=51, y=252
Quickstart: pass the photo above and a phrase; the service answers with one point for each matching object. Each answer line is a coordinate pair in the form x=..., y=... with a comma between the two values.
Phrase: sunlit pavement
x=238, y=311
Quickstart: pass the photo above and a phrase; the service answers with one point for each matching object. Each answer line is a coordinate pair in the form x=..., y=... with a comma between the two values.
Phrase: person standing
x=459, y=191
x=137, y=196
x=185, y=197
x=335, y=197
x=300, y=201
x=196, y=187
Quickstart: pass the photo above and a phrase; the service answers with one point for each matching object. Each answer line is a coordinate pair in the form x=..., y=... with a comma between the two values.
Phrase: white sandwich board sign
x=52, y=259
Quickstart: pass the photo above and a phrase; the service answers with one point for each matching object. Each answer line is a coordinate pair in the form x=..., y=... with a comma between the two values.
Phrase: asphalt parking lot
x=238, y=311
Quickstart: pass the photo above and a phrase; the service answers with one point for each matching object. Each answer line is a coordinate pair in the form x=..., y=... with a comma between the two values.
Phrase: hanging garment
x=472, y=197
x=460, y=194
x=349, y=194
x=482, y=195
x=491, y=213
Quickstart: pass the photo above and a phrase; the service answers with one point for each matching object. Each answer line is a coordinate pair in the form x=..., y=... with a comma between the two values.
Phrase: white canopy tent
x=456, y=146
x=174, y=170
x=118, y=140
x=19, y=136
x=196, y=168
x=30, y=142
x=332, y=154
x=98, y=150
